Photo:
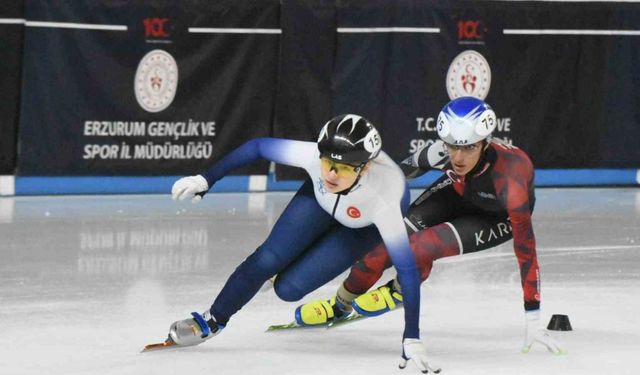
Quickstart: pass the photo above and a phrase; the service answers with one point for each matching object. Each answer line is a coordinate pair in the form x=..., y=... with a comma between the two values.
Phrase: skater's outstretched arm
x=281, y=151
x=514, y=188
x=395, y=238
x=513, y=180
x=394, y=235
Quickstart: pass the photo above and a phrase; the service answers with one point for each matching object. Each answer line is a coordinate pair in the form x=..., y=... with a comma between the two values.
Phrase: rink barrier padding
x=10, y=185
x=7, y=185
x=136, y=185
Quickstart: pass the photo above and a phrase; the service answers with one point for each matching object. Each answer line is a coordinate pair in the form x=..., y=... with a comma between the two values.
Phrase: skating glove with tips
x=414, y=350
x=193, y=187
x=536, y=333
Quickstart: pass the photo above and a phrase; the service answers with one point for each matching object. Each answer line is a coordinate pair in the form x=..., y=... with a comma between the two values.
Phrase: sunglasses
x=341, y=169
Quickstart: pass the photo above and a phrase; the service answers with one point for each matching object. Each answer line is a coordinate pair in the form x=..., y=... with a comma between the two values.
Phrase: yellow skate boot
x=378, y=301
x=319, y=312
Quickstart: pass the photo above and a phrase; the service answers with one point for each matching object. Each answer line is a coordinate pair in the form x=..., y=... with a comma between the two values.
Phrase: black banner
x=145, y=88
x=619, y=139
x=306, y=68
x=560, y=76
x=548, y=90
x=160, y=88
x=392, y=76
x=11, y=34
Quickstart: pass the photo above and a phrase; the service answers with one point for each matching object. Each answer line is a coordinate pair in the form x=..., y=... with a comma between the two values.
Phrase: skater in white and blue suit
x=354, y=198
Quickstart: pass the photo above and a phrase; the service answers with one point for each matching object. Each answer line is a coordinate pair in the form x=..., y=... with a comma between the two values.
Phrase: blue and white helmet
x=466, y=120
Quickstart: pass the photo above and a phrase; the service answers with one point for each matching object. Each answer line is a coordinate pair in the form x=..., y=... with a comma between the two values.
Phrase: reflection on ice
x=85, y=282
x=143, y=249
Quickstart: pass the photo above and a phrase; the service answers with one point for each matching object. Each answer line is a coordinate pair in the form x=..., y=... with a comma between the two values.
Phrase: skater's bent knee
x=286, y=291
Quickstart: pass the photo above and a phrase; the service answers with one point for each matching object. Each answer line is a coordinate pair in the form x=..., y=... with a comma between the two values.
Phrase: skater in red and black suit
x=485, y=198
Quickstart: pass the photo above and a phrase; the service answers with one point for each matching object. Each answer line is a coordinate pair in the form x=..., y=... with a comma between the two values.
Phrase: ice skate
x=189, y=332
x=378, y=301
x=320, y=312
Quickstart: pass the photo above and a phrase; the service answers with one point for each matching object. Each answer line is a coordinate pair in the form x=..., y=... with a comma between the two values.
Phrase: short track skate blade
x=293, y=325
x=282, y=327
x=167, y=344
x=349, y=319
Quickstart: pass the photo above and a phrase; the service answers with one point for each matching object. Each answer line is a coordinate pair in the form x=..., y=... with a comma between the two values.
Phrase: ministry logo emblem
x=469, y=75
x=156, y=81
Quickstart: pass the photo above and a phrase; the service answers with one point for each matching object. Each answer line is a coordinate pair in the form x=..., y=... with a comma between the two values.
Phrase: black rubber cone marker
x=559, y=322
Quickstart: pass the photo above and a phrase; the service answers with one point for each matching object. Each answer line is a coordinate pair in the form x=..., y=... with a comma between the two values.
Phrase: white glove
x=412, y=349
x=437, y=155
x=189, y=187
x=537, y=333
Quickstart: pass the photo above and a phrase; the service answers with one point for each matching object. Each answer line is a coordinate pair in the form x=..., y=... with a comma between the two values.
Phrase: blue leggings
x=306, y=249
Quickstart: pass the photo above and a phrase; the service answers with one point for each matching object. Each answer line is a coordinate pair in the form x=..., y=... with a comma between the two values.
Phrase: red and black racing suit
x=490, y=206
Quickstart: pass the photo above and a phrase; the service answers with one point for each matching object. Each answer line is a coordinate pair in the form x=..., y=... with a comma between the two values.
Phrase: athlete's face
x=464, y=158
x=337, y=177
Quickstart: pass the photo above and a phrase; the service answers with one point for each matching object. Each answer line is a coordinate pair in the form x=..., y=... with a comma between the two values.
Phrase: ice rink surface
x=87, y=281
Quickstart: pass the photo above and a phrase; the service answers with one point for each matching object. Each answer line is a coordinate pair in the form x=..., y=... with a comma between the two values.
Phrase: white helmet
x=465, y=120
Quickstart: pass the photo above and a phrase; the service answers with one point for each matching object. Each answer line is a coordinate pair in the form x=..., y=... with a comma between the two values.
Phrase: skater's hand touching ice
x=414, y=350
x=536, y=333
